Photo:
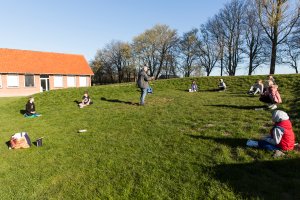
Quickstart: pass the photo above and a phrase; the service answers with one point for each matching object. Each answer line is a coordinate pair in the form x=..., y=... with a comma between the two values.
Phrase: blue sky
x=83, y=26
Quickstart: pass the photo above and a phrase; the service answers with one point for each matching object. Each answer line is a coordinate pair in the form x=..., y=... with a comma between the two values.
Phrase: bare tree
x=277, y=17
x=209, y=53
x=255, y=47
x=188, y=47
x=232, y=16
x=153, y=46
x=119, y=54
x=215, y=27
x=102, y=68
x=290, y=54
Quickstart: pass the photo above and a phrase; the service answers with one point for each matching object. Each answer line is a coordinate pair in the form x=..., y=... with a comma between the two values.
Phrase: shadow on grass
x=232, y=142
x=238, y=107
x=77, y=102
x=119, y=101
x=278, y=179
x=211, y=90
x=22, y=112
x=245, y=95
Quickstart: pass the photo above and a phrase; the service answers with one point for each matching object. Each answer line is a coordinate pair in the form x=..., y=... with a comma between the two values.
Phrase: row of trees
x=244, y=33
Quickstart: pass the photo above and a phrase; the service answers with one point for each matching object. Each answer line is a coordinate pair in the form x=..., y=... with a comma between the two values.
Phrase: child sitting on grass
x=85, y=100
x=30, y=108
x=194, y=87
x=281, y=135
x=258, y=87
x=222, y=85
x=271, y=96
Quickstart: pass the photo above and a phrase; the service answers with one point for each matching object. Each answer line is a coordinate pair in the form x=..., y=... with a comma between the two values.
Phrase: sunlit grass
x=179, y=146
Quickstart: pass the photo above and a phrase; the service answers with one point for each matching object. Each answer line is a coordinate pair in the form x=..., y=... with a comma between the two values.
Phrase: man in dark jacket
x=143, y=84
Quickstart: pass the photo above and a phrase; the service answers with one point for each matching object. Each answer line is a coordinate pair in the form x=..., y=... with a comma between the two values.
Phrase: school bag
x=149, y=90
x=20, y=141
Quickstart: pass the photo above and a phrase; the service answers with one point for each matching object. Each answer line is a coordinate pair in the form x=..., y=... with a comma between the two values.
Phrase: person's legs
x=143, y=96
x=265, y=99
x=267, y=146
x=256, y=91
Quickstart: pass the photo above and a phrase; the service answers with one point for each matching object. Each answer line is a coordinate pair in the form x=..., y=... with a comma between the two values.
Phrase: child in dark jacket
x=30, y=108
x=281, y=135
x=86, y=100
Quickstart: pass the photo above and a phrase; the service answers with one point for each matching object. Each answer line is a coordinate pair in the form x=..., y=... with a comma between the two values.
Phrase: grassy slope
x=180, y=146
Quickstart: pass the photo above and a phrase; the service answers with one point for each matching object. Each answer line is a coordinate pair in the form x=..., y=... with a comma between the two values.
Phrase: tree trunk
x=273, y=57
x=250, y=63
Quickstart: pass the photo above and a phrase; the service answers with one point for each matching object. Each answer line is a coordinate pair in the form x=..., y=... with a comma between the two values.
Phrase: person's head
x=221, y=80
x=259, y=81
x=279, y=115
x=31, y=99
x=270, y=83
x=145, y=68
x=86, y=93
x=193, y=82
x=270, y=77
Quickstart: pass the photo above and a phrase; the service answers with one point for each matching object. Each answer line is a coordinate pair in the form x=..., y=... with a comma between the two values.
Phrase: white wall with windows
x=12, y=80
x=71, y=81
x=83, y=81
x=58, y=81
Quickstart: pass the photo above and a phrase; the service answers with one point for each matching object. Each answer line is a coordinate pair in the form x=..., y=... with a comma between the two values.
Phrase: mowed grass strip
x=179, y=146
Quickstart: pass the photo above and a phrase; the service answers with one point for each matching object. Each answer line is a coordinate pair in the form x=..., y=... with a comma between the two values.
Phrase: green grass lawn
x=179, y=146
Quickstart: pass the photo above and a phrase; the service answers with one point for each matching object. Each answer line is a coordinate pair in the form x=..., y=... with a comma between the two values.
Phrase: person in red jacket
x=281, y=136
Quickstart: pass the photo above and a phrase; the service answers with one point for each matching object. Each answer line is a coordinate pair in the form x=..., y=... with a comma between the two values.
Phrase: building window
x=82, y=81
x=29, y=80
x=0, y=81
x=58, y=81
x=71, y=81
x=12, y=80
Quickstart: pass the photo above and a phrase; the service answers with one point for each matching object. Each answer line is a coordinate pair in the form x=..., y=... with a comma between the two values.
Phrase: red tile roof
x=35, y=62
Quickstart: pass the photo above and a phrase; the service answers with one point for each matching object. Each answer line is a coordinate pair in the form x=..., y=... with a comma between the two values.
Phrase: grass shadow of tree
x=118, y=101
x=232, y=142
x=278, y=179
x=239, y=107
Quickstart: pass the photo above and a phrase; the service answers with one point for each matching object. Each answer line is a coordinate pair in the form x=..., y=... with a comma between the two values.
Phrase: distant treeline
x=243, y=34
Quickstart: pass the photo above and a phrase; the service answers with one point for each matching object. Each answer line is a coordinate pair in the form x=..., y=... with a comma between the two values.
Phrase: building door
x=45, y=83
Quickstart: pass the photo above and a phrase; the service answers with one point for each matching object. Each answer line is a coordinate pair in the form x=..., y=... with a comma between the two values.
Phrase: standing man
x=143, y=84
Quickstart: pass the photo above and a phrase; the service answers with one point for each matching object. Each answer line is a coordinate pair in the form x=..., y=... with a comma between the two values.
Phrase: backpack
x=149, y=90
x=20, y=141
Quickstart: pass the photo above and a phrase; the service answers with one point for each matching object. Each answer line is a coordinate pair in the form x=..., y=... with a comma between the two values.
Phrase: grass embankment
x=179, y=146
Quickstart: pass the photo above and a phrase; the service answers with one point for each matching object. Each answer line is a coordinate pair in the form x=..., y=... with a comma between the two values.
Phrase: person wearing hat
x=143, y=84
x=281, y=136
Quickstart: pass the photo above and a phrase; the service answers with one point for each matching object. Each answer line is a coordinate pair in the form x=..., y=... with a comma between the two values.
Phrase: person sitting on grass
x=194, y=87
x=258, y=87
x=86, y=100
x=271, y=96
x=270, y=78
x=281, y=135
x=222, y=85
x=30, y=108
